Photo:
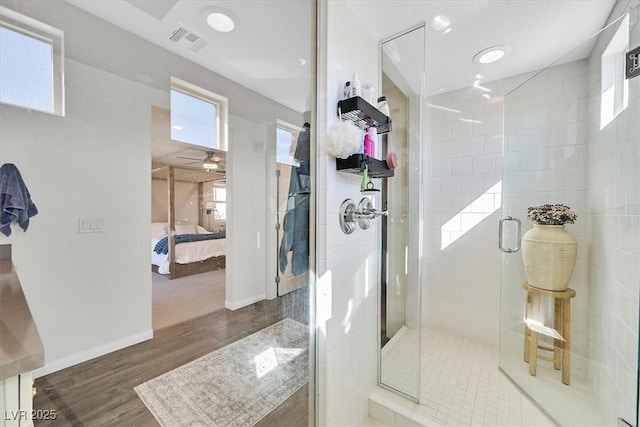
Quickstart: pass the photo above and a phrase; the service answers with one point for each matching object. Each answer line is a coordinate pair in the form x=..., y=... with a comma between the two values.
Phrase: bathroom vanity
x=21, y=349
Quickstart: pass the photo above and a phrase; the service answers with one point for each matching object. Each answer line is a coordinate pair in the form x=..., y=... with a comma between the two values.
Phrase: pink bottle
x=369, y=143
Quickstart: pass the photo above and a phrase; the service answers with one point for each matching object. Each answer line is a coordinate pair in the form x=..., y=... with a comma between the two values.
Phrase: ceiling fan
x=212, y=162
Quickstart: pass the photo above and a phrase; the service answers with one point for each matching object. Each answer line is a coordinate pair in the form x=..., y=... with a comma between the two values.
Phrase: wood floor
x=100, y=392
x=178, y=300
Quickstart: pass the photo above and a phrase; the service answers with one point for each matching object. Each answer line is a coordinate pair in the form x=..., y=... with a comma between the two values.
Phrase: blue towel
x=15, y=199
x=162, y=247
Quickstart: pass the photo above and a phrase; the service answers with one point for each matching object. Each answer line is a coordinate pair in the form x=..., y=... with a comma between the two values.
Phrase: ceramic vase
x=549, y=253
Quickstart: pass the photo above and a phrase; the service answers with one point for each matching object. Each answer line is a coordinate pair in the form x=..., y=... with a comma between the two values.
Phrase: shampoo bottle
x=355, y=89
x=369, y=142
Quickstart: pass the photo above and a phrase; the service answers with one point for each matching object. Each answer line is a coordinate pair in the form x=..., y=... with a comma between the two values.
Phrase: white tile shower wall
x=461, y=282
x=461, y=288
x=348, y=264
x=613, y=203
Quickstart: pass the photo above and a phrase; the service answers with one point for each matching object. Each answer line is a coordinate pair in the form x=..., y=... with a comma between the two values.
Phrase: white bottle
x=355, y=88
x=383, y=106
x=369, y=93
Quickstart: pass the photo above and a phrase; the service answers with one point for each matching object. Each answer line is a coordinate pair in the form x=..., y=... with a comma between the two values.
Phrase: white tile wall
x=348, y=264
x=613, y=155
x=464, y=160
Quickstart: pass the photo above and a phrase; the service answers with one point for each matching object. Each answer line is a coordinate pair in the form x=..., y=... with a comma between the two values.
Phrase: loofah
x=343, y=139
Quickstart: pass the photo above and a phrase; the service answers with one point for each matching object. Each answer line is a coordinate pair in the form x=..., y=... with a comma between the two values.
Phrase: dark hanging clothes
x=15, y=199
x=296, y=225
x=295, y=238
x=302, y=154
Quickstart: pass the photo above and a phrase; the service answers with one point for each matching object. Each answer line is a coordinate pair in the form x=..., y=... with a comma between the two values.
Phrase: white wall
x=348, y=296
x=91, y=293
x=461, y=274
x=613, y=227
x=247, y=224
x=464, y=185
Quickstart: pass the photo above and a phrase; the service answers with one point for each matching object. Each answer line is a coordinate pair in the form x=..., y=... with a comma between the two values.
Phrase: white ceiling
x=269, y=51
x=537, y=32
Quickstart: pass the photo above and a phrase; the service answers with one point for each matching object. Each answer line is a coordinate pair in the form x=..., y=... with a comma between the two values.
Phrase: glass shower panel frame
x=554, y=151
x=400, y=320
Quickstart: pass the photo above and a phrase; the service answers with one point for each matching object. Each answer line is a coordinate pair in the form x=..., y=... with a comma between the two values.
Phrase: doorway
x=199, y=206
x=293, y=190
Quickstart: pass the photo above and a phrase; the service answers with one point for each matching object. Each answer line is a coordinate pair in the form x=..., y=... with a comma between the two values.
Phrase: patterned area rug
x=236, y=385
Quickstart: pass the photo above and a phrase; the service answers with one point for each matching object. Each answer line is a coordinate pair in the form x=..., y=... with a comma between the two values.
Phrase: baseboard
x=60, y=364
x=243, y=303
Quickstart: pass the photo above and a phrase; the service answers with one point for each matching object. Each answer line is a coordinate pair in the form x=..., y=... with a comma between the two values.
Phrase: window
x=31, y=63
x=286, y=138
x=614, y=88
x=198, y=116
x=219, y=203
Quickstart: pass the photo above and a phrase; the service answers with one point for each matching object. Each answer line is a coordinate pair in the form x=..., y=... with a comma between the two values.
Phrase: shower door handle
x=518, y=237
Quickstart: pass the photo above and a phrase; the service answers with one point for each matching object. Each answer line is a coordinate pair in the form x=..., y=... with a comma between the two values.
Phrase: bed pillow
x=185, y=229
x=158, y=230
x=201, y=230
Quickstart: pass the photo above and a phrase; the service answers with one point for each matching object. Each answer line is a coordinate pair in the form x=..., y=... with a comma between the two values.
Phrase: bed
x=188, y=258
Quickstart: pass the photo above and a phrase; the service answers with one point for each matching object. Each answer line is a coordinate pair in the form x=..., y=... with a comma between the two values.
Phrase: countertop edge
x=20, y=341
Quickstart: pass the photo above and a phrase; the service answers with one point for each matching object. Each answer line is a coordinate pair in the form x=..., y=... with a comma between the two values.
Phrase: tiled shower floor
x=460, y=386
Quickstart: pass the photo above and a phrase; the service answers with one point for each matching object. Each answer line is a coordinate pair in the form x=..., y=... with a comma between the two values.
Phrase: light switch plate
x=90, y=225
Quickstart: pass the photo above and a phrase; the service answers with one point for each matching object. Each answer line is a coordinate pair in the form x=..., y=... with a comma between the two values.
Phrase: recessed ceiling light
x=440, y=22
x=489, y=55
x=220, y=22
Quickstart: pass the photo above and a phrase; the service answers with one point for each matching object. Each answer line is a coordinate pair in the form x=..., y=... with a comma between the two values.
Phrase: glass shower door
x=572, y=137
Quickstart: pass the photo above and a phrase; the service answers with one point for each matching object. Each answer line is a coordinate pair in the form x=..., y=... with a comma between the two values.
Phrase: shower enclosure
x=572, y=136
x=568, y=134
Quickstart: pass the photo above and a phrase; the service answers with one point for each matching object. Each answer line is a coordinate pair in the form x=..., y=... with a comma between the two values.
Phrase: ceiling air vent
x=178, y=34
x=188, y=39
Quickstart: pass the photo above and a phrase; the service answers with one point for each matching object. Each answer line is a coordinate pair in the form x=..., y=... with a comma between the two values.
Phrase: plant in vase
x=549, y=251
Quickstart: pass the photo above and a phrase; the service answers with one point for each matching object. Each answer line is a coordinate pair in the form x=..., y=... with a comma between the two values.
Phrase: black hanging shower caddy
x=364, y=115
